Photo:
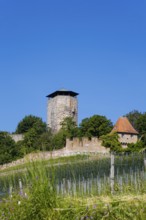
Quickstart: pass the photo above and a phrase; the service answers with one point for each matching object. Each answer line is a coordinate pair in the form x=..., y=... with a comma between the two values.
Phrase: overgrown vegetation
x=8, y=148
x=111, y=141
x=39, y=198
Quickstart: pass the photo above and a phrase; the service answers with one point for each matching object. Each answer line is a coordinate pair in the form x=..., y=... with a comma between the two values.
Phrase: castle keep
x=61, y=104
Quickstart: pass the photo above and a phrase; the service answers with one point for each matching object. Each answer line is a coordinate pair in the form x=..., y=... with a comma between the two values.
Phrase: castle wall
x=85, y=145
x=127, y=139
x=60, y=107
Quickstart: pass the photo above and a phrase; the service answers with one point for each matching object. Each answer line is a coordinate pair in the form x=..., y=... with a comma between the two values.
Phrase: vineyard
x=88, y=175
x=78, y=188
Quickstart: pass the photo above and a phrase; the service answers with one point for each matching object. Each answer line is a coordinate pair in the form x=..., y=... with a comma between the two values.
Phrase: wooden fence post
x=144, y=162
x=112, y=173
x=10, y=190
x=20, y=187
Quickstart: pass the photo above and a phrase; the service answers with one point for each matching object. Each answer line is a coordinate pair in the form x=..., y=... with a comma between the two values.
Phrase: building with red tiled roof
x=127, y=133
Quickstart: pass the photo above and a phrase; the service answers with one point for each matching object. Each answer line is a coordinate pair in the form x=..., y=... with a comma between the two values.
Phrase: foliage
x=95, y=126
x=35, y=133
x=30, y=140
x=59, y=140
x=36, y=202
x=138, y=120
x=8, y=151
x=69, y=127
x=135, y=147
x=34, y=141
x=133, y=116
x=112, y=141
x=29, y=122
x=68, y=130
x=44, y=142
x=141, y=126
x=39, y=199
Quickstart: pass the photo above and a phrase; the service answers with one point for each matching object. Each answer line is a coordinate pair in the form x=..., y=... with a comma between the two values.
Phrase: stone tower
x=61, y=104
x=127, y=133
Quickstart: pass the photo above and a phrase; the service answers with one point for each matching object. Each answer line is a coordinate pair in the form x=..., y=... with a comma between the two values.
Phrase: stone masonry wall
x=60, y=107
x=127, y=138
x=73, y=147
x=85, y=145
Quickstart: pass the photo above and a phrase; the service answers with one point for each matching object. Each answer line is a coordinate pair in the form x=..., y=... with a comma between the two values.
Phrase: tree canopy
x=111, y=141
x=69, y=127
x=95, y=126
x=8, y=150
x=133, y=117
x=138, y=120
x=29, y=122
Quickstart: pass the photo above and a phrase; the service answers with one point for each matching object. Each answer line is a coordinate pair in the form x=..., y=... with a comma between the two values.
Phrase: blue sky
x=94, y=47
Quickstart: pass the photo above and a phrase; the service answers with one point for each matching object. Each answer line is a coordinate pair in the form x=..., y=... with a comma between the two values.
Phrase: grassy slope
x=40, y=202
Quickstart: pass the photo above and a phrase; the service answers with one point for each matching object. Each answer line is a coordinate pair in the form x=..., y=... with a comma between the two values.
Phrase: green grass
x=51, y=161
x=39, y=199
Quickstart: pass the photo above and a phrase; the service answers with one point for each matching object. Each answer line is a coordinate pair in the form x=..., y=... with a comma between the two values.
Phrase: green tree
x=29, y=122
x=45, y=141
x=138, y=121
x=69, y=127
x=59, y=140
x=8, y=150
x=32, y=127
x=133, y=117
x=112, y=141
x=95, y=126
x=30, y=140
x=136, y=147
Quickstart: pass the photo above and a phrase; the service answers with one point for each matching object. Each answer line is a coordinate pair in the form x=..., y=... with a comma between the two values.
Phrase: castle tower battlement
x=61, y=104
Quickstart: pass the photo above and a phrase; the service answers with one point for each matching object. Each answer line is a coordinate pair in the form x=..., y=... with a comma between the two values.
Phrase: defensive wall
x=85, y=145
x=73, y=147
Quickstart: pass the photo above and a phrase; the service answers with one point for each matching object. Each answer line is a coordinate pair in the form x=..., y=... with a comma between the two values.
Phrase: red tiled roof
x=124, y=126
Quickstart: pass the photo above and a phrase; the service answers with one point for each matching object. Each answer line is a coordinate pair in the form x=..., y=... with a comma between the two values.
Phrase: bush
x=8, y=151
x=112, y=141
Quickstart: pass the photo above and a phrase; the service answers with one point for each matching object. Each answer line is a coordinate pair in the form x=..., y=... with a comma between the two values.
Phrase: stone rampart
x=73, y=147
x=85, y=145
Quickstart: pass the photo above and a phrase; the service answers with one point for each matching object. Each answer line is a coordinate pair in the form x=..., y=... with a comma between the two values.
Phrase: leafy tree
x=68, y=130
x=29, y=122
x=135, y=147
x=59, y=140
x=141, y=124
x=8, y=150
x=45, y=141
x=32, y=127
x=30, y=139
x=138, y=120
x=95, y=126
x=69, y=127
x=112, y=141
x=133, y=117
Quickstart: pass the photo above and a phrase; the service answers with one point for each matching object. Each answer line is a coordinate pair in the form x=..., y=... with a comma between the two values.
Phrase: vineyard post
x=20, y=187
x=145, y=162
x=112, y=173
x=10, y=190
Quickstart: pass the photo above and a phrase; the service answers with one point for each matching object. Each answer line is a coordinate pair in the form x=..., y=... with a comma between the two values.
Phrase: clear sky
x=94, y=47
